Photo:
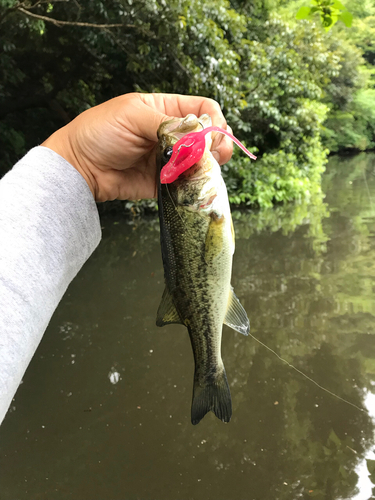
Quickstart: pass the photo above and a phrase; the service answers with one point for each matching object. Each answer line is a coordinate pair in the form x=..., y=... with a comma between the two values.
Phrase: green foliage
x=275, y=178
x=348, y=94
x=353, y=127
x=351, y=121
x=363, y=35
x=329, y=11
x=281, y=113
x=361, y=8
x=276, y=79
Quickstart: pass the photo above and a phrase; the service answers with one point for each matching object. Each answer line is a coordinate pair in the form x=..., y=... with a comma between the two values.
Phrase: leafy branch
x=330, y=11
x=58, y=22
x=25, y=9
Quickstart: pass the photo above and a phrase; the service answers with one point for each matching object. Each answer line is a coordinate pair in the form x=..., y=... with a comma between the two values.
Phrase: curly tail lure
x=189, y=150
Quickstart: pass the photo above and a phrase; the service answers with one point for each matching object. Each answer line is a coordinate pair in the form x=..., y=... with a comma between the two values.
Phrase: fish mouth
x=173, y=130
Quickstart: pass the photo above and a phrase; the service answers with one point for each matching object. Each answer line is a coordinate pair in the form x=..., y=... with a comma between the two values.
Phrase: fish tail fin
x=213, y=395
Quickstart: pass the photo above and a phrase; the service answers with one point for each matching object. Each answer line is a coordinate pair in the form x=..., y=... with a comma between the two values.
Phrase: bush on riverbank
x=278, y=80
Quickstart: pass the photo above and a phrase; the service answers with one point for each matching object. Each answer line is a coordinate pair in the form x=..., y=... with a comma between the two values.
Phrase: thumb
x=145, y=119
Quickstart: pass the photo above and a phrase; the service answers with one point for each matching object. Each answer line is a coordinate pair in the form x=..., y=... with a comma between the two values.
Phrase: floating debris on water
x=114, y=377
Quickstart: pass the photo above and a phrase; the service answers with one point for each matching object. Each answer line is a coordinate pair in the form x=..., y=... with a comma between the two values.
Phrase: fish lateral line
x=182, y=161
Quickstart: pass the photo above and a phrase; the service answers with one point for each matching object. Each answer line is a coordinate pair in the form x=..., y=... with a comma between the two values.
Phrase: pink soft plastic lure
x=189, y=150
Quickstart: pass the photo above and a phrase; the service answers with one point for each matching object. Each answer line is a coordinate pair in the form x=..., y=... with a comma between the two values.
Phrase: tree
x=275, y=79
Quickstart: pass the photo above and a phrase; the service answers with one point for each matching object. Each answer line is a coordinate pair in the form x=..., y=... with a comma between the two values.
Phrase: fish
x=197, y=246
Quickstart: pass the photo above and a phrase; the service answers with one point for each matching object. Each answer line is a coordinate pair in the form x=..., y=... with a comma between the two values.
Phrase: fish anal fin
x=167, y=313
x=236, y=316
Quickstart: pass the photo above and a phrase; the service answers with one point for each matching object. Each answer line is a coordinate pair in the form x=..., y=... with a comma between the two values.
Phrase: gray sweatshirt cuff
x=49, y=226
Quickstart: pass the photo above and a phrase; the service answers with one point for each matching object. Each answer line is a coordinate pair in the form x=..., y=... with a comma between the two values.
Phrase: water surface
x=104, y=409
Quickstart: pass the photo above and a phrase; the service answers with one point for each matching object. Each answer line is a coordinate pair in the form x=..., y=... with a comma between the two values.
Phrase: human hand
x=113, y=145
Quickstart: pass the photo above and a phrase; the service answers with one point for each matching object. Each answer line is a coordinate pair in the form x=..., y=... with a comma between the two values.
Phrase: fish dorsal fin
x=167, y=313
x=236, y=316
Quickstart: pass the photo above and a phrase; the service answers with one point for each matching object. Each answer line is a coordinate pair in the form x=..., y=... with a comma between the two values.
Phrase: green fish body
x=197, y=243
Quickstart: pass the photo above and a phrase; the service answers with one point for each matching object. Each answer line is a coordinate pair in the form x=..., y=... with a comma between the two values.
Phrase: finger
x=139, y=116
x=181, y=105
x=176, y=105
x=222, y=147
x=130, y=184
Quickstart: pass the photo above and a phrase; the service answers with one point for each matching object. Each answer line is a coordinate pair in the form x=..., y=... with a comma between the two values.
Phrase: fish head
x=172, y=131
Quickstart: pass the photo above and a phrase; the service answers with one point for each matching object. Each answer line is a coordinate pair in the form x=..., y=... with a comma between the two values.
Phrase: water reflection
x=115, y=423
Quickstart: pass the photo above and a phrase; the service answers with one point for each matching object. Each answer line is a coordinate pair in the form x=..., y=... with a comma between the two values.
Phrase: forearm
x=49, y=226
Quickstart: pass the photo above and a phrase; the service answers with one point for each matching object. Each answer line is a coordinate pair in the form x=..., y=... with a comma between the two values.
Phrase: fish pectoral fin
x=167, y=313
x=236, y=316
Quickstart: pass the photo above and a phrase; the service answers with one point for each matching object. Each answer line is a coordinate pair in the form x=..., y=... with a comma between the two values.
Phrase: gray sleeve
x=49, y=226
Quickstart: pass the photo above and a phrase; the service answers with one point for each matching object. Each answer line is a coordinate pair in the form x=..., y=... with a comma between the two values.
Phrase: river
x=103, y=412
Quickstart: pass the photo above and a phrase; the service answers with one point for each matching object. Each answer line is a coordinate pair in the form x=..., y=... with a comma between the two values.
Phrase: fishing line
x=178, y=152
x=184, y=146
x=175, y=207
x=173, y=203
x=306, y=376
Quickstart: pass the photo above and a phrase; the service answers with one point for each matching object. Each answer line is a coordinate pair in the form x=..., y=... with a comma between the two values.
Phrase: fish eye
x=167, y=153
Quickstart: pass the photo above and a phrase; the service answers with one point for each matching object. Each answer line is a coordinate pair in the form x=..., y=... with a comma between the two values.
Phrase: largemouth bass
x=197, y=244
